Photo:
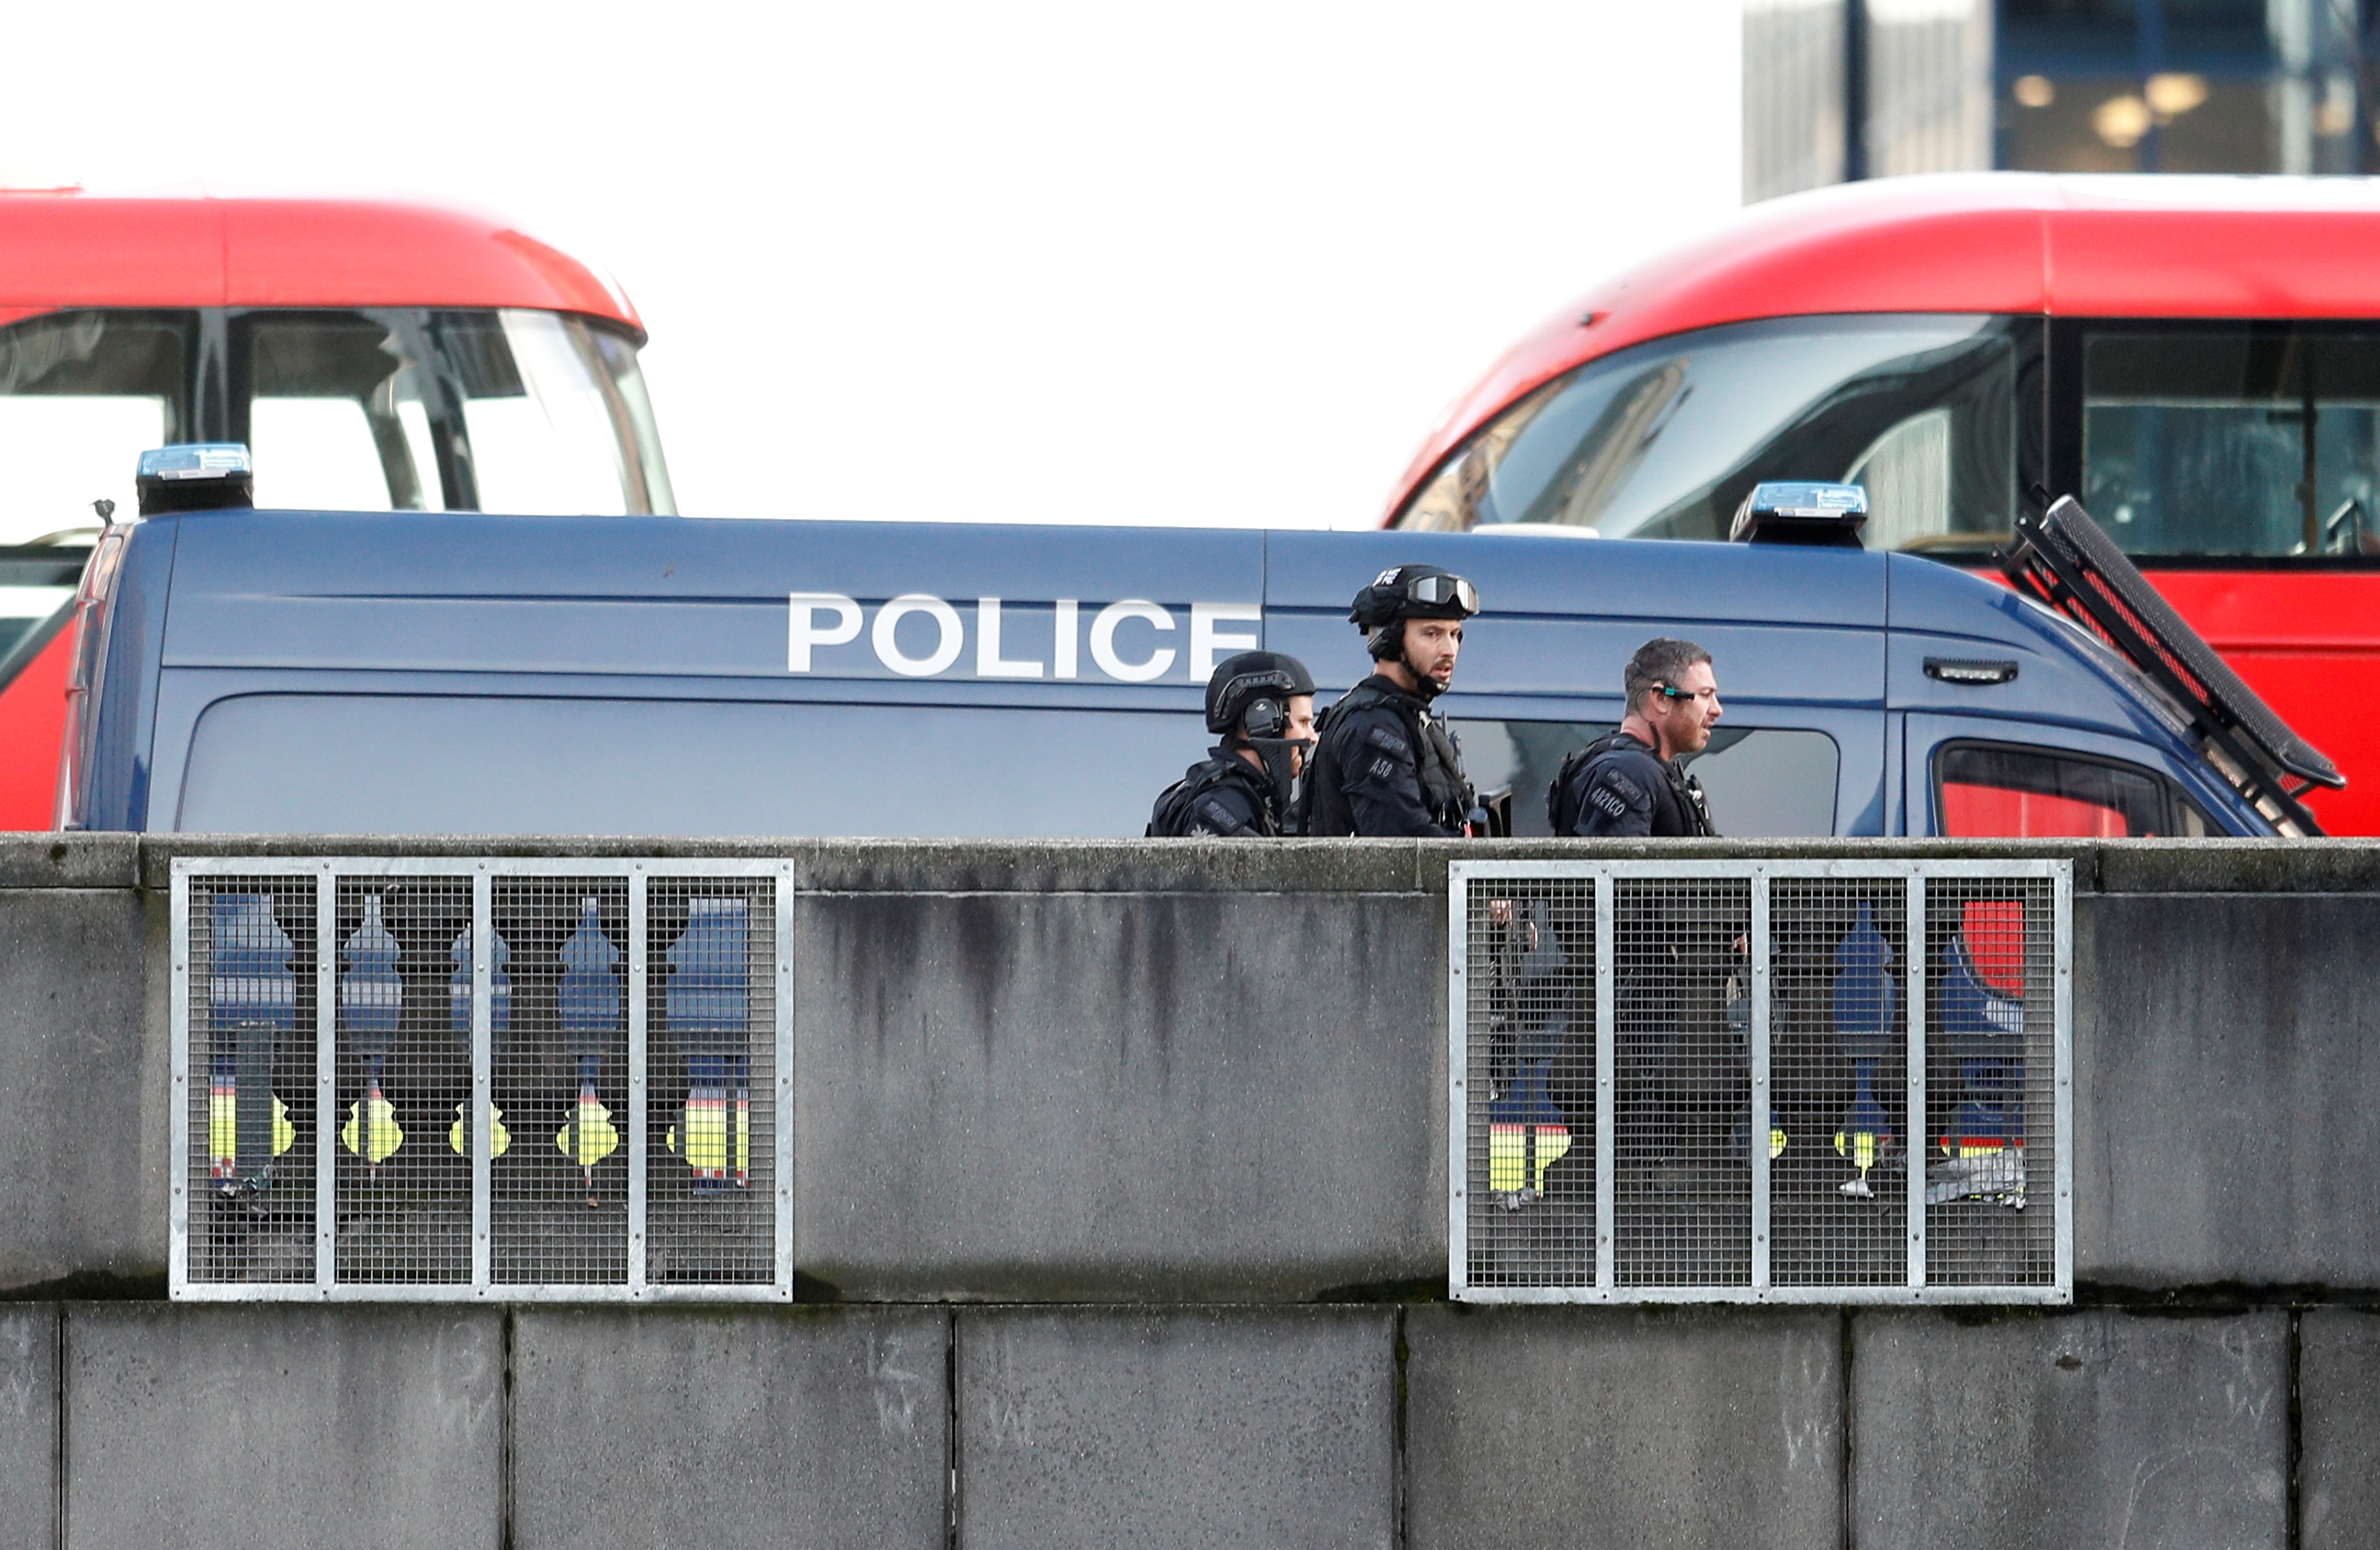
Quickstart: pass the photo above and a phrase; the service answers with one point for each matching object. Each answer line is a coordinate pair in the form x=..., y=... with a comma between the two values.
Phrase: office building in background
x=1839, y=90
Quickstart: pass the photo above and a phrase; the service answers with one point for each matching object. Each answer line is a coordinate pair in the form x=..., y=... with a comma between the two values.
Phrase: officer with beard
x=1387, y=765
x=1262, y=703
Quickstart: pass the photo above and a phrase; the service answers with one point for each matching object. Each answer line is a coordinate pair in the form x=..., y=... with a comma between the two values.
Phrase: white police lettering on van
x=1126, y=637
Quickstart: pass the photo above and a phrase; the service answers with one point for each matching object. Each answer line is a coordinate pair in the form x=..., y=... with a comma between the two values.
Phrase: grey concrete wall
x=273, y=1425
x=2225, y=1059
x=1140, y=1096
x=1177, y=1428
x=84, y=1070
x=2076, y=1428
x=1612, y=1427
x=729, y=1430
x=28, y=1425
x=2338, y=1400
x=1181, y=1071
x=1070, y=1426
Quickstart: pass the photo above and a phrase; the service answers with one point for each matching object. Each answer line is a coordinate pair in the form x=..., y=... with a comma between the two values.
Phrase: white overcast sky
x=1050, y=260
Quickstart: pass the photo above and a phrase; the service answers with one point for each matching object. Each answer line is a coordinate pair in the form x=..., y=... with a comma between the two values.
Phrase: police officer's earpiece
x=1264, y=718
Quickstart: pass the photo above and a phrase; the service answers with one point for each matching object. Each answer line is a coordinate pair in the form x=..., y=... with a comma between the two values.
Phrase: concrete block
x=28, y=1424
x=2223, y=1067
x=43, y=860
x=2338, y=1429
x=1581, y=1426
x=1092, y=1428
x=84, y=1066
x=1114, y=866
x=273, y=1426
x=2239, y=866
x=2089, y=1428
x=1090, y=1097
x=730, y=1428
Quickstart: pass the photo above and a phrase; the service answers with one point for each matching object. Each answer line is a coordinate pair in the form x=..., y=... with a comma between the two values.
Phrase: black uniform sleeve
x=1616, y=796
x=1380, y=775
x=1223, y=809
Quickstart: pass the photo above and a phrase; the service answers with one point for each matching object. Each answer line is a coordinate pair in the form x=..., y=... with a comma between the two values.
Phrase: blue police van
x=309, y=672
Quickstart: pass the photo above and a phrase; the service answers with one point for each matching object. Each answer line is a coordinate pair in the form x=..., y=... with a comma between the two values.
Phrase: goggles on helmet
x=1438, y=590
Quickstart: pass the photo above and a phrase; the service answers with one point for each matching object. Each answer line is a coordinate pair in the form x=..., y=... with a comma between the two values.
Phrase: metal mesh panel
x=1839, y=1058
x=1530, y=1085
x=711, y=973
x=559, y=1039
x=249, y=1171
x=1682, y=1139
x=1740, y=1081
x=1990, y=1032
x=404, y=1192
x=604, y=1125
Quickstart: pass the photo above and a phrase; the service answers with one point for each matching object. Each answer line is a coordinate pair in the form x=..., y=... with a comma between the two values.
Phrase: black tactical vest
x=1173, y=816
x=1437, y=764
x=1686, y=813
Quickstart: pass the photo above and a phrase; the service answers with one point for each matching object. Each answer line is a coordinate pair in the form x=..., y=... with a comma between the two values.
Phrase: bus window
x=1987, y=791
x=404, y=410
x=550, y=433
x=1762, y=783
x=82, y=395
x=1664, y=440
x=336, y=415
x=2232, y=439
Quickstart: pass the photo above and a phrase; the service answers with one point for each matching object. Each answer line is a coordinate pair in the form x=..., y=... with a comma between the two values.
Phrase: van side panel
x=117, y=779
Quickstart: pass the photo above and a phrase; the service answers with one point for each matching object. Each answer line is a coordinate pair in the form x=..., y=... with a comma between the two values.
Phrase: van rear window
x=301, y=763
x=1987, y=791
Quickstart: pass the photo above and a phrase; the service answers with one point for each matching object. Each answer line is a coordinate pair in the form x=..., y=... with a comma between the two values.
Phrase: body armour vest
x=1430, y=753
x=1677, y=807
x=1184, y=808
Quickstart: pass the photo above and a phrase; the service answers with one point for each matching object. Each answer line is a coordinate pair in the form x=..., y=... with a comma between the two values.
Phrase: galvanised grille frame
x=315, y=965
x=1915, y=1043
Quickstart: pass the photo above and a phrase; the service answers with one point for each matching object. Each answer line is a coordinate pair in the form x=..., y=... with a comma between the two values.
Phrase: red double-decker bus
x=2196, y=359
x=375, y=356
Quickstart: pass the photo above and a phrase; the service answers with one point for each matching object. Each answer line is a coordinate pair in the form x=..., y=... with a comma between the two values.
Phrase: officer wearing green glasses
x=1630, y=783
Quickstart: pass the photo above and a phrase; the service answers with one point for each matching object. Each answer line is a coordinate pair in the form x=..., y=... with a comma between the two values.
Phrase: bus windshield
x=371, y=410
x=2232, y=439
x=1665, y=439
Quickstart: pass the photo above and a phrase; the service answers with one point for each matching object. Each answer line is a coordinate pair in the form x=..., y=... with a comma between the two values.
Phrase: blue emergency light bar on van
x=1801, y=512
x=194, y=476
x=411, y=672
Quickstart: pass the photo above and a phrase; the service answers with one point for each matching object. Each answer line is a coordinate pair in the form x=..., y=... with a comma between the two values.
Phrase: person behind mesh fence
x=1262, y=703
x=1682, y=1009
x=1632, y=782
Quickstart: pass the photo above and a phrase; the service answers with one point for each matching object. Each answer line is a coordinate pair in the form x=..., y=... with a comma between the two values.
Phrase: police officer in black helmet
x=1387, y=764
x=1262, y=703
x=1630, y=783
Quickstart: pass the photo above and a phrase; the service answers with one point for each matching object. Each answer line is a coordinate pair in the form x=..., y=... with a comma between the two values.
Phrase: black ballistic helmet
x=1409, y=591
x=1249, y=681
x=1414, y=592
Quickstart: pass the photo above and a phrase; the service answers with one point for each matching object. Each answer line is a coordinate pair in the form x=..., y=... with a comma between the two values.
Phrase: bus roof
x=2073, y=245
x=70, y=248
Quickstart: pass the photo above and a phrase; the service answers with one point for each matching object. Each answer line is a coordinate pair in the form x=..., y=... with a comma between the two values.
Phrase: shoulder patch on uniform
x=1383, y=737
x=1383, y=768
x=1607, y=801
x=1612, y=775
x=1223, y=821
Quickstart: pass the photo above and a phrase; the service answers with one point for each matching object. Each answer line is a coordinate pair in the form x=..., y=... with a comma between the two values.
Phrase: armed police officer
x=1631, y=782
x=1262, y=703
x=1387, y=764
x=1680, y=1002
